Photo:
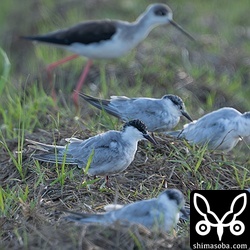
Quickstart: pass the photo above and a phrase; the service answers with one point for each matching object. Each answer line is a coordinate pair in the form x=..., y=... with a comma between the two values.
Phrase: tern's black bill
x=176, y=25
x=187, y=116
x=151, y=139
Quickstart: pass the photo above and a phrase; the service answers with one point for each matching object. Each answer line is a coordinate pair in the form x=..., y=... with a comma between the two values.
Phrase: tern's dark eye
x=175, y=102
x=161, y=12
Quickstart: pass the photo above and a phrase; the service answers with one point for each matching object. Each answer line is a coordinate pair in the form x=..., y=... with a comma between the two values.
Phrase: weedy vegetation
x=211, y=74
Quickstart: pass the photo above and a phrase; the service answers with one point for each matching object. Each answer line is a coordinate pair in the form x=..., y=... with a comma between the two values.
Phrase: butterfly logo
x=236, y=227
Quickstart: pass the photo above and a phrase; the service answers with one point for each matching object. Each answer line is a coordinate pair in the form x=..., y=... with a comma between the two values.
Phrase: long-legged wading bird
x=220, y=130
x=159, y=115
x=104, y=39
x=161, y=213
x=112, y=151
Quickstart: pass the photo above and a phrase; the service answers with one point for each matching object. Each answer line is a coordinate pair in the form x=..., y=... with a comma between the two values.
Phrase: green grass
x=207, y=77
x=5, y=70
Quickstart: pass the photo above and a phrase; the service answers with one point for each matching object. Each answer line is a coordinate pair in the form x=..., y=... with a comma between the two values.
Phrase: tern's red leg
x=81, y=81
x=51, y=67
x=107, y=183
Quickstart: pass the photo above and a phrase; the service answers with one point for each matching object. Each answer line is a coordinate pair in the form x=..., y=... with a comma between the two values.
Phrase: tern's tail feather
x=53, y=158
x=175, y=134
x=84, y=218
x=44, y=147
x=100, y=104
x=51, y=153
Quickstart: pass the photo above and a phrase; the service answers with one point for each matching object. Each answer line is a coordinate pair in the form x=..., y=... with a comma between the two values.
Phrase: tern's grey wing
x=147, y=213
x=207, y=127
x=202, y=133
x=104, y=147
x=151, y=111
x=109, y=153
x=211, y=128
x=131, y=108
x=82, y=149
x=210, y=119
x=84, y=217
x=142, y=212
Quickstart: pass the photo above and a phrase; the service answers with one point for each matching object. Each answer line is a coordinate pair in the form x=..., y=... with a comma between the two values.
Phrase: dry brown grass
x=170, y=164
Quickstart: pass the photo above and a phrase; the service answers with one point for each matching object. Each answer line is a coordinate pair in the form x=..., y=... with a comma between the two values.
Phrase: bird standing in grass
x=104, y=39
x=161, y=213
x=111, y=152
x=159, y=115
x=219, y=130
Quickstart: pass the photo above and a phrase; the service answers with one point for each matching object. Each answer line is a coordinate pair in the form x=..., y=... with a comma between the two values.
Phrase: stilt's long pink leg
x=52, y=66
x=80, y=82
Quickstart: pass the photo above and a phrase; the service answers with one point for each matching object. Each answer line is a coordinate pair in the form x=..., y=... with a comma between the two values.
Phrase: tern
x=161, y=213
x=112, y=152
x=184, y=215
x=219, y=130
x=159, y=115
x=105, y=39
